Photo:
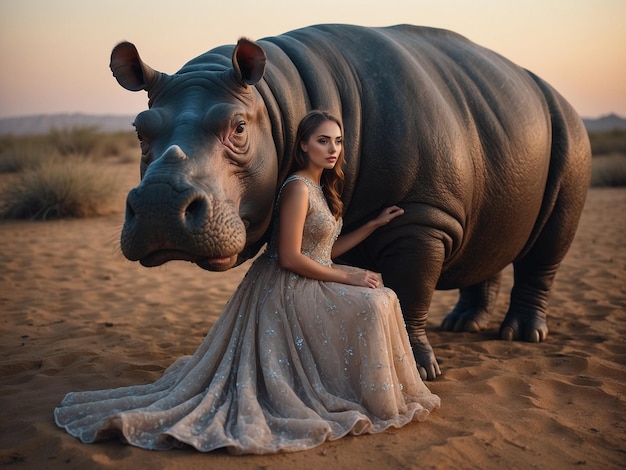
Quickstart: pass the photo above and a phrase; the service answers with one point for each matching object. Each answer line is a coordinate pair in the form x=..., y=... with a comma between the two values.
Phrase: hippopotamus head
x=208, y=160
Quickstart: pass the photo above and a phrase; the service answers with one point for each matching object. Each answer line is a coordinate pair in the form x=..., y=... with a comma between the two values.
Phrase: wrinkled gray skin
x=490, y=164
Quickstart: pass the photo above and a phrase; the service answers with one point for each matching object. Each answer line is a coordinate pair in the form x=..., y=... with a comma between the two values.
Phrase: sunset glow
x=55, y=54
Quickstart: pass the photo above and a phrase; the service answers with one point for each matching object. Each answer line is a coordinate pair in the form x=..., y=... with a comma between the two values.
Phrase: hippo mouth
x=160, y=257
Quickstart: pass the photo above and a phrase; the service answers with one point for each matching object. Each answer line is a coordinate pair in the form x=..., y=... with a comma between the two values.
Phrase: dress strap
x=306, y=181
x=295, y=177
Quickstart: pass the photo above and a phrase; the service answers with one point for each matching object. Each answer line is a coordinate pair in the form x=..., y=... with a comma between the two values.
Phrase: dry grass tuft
x=76, y=140
x=27, y=152
x=19, y=154
x=65, y=173
x=608, y=170
x=71, y=187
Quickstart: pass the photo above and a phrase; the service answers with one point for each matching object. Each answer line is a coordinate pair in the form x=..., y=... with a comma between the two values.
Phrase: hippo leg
x=535, y=271
x=472, y=311
x=564, y=198
x=412, y=273
x=526, y=318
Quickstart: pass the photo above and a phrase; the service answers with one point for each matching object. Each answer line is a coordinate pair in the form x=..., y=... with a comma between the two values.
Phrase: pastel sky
x=54, y=54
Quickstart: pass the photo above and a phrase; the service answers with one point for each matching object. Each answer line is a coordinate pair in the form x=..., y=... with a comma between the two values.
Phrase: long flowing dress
x=290, y=363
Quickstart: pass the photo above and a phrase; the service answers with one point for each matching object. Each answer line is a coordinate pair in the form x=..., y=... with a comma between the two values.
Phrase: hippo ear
x=249, y=61
x=129, y=69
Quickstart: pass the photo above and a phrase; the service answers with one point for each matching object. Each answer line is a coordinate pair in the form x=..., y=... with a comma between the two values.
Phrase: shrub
x=608, y=142
x=76, y=140
x=72, y=187
x=18, y=154
x=121, y=145
x=608, y=170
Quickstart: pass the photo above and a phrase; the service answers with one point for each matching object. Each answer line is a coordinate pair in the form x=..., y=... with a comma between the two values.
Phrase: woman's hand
x=364, y=279
x=387, y=215
x=348, y=241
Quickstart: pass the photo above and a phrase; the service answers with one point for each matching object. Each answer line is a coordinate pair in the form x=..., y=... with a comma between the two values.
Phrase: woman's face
x=324, y=145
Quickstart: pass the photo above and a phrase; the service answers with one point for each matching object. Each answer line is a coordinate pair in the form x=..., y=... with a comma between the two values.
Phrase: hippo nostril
x=195, y=212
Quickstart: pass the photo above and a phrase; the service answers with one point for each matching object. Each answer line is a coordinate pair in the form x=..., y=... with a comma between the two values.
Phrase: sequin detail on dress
x=290, y=363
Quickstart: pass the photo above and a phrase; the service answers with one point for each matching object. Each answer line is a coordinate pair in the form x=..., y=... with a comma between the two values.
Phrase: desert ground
x=75, y=315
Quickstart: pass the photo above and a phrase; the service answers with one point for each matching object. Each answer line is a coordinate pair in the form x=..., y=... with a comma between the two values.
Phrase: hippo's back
x=431, y=120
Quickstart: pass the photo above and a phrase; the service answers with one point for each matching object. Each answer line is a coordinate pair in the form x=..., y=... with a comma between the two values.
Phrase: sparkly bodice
x=320, y=227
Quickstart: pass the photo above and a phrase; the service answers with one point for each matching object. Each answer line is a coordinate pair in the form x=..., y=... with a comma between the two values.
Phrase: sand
x=75, y=315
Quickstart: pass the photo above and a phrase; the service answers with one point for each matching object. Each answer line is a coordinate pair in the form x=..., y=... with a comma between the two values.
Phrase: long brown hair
x=332, y=180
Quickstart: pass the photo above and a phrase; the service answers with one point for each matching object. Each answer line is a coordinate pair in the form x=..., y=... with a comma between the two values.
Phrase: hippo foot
x=472, y=320
x=531, y=328
x=425, y=357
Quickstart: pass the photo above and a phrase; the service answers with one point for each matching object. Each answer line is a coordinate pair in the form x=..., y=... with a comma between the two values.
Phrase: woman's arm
x=294, y=204
x=350, y=240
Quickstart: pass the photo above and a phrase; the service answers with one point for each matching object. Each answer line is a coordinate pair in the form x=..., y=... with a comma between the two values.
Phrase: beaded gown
x=290, y=363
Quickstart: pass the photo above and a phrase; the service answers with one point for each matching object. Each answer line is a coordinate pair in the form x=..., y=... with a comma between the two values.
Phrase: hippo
x=490, y=164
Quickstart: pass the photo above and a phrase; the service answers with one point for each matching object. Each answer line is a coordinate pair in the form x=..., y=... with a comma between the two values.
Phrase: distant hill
x=44, y=123
x=609, y=122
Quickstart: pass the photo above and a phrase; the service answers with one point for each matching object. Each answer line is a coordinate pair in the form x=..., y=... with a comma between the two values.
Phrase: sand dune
x=75, y=315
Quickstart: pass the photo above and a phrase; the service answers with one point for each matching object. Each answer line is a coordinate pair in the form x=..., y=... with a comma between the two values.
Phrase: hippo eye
x=237, y=139
x=145, y=147
x=139, y=135
x=238, y=135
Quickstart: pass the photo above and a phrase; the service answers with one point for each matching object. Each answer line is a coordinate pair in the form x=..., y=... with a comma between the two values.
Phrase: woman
x=305, y=351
